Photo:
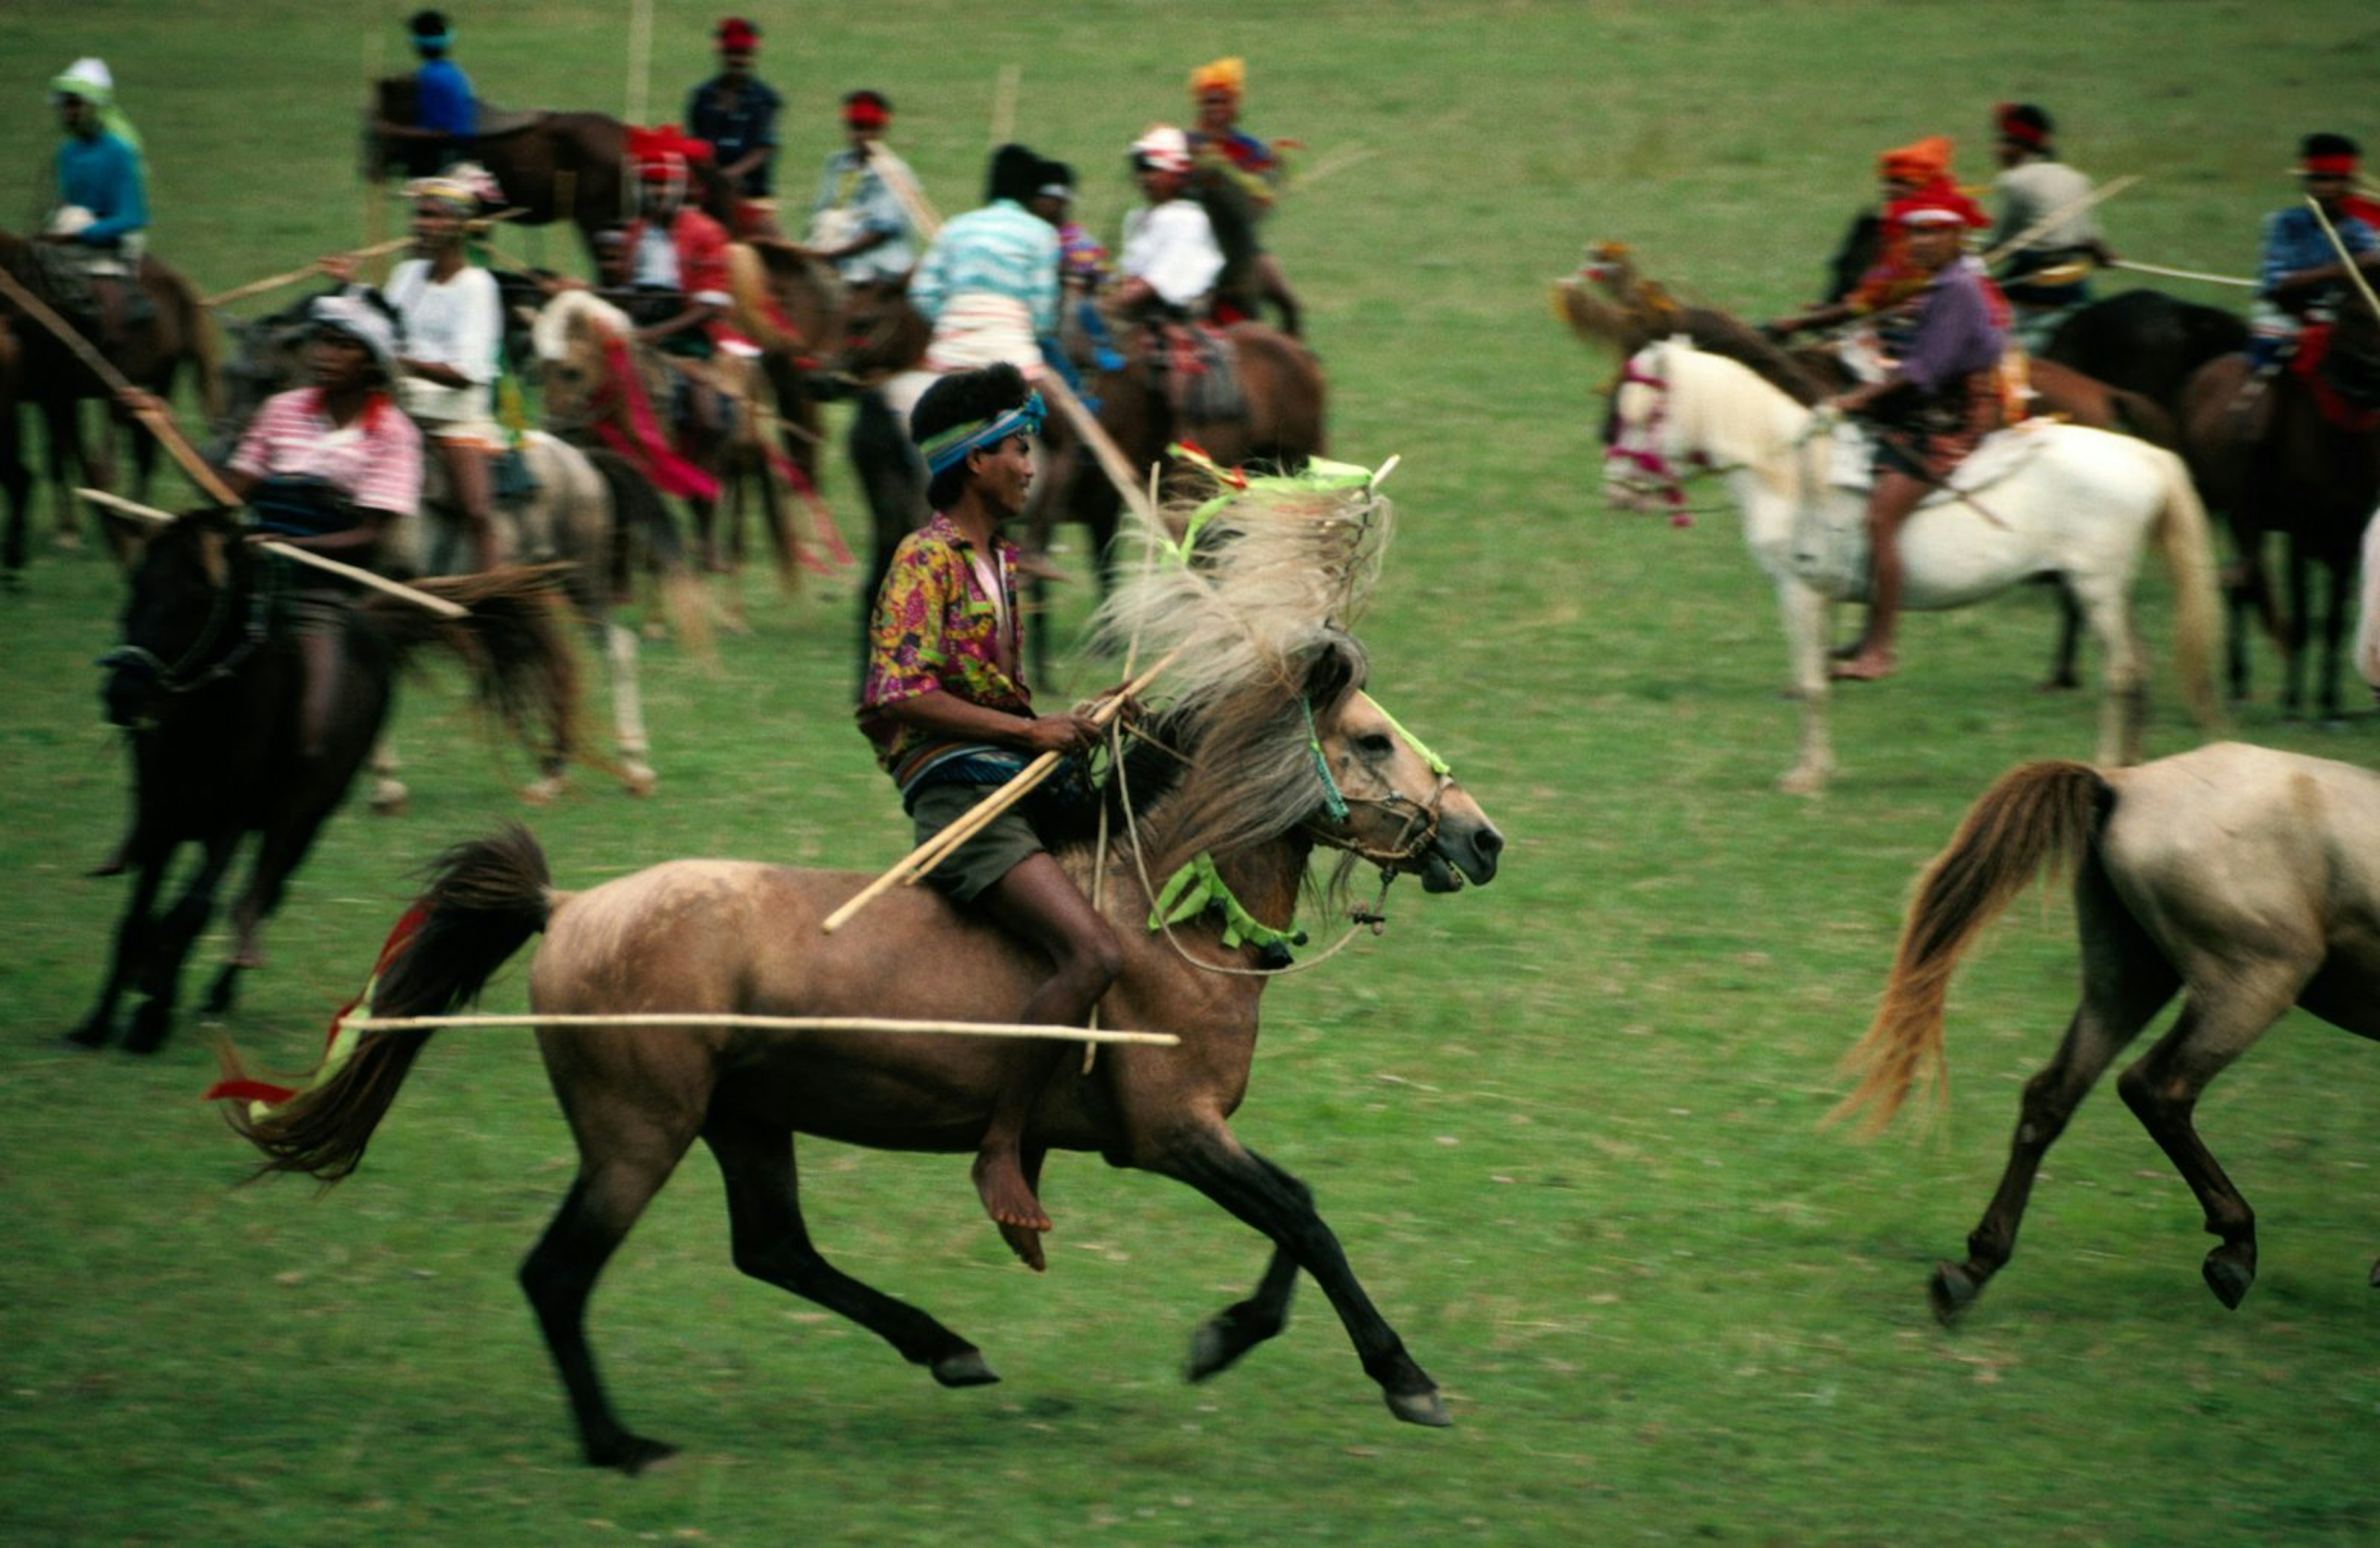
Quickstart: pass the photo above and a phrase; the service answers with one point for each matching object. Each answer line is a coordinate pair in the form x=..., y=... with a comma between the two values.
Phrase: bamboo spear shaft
x=926, y=856
x=379, y=582
x=378, y=250
x=767, y=1024
x=2199, y=275
x=1110, y=457
x=161, y=424
x=2346, y=259
x=2049, y=222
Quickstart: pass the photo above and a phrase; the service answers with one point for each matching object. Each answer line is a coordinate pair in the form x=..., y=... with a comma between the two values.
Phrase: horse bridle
x=1420, y=830
x=1658, y=475
x=185, y=674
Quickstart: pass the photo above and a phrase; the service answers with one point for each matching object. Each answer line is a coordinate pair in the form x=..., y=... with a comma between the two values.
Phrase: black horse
x=2146, y=341
x=208, y=687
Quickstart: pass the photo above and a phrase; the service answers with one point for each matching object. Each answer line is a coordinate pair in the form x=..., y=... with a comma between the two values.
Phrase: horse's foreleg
x=2296, y=630
x=2163, y=1087
x=2125, y=981
x=772, y=1245
x=2341, y=573
x=2069, y=640
x=1278, y=1204
x=1805, y=614
x=160, y=978
x=132, y=933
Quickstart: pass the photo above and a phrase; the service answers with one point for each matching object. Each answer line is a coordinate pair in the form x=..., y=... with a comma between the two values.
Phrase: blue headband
x=950, y=448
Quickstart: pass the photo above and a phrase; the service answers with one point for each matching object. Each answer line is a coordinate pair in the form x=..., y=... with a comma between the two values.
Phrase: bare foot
x=1009, y=1199
x=1868, y=666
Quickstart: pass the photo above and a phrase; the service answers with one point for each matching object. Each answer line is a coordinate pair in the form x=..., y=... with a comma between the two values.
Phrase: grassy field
x=1565, y=1126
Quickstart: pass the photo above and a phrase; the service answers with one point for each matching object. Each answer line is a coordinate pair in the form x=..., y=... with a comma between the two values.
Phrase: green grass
x=1565, y=1126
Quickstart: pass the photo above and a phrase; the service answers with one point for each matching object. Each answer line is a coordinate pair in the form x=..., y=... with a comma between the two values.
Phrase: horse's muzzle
x=1462, y=852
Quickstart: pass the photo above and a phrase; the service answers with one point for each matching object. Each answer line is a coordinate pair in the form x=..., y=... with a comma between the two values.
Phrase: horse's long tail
x=516, y=643
x=2037, y=814
x=756, y=313
x=485, y=900
x=2183, y=537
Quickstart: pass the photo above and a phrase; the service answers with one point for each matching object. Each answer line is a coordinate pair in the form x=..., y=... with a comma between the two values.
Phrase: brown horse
x=55, y=380
x=1269, y=415
x=540, y=159
x=1278, y=754
x=2301, y=458
x=2246, y=879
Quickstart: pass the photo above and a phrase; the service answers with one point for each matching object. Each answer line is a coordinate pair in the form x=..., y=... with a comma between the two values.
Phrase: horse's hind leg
x=559, y=1274
x=170, y=942
x=1223, y=1338
x=772, y=1245
x=132, y=934
x=2163, y=1087
x=1272, y=1202
x=2125, y=981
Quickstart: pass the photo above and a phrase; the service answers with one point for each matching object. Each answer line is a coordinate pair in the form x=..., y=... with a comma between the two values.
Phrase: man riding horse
x=2300, y=278
x=445, y=112
x=1941, y=396
x=677, y=258
x=1239, y=177
x=2048, y=270
x=946, y=704
x=101, y=222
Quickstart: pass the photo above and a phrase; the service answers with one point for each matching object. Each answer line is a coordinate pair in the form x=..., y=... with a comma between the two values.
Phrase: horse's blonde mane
x=1257, y=598
x=572, y=314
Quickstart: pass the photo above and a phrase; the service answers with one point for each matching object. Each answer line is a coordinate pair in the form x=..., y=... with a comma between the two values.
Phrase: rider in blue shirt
x=445, y=112
x=101, y=217
x=2299, y=275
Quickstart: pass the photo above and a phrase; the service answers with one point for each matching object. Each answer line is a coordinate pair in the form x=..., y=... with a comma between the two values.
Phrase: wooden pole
x=378, y=583
x=926, y=856
x=905, y=188
x=2160, y=269
x=768, y=1023
x=640, y=57
x=274, y=281
x=1003, y=104
x=1110, y=458
x=160, y=423
x=2346, y=259
x=2048, y=223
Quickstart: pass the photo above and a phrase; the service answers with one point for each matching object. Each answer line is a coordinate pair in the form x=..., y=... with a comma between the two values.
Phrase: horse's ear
x=1337, y=668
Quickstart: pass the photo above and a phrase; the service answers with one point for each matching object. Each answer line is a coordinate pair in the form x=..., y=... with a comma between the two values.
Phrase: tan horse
x=603, y=385
x=2244, y=878
x=1280, y=754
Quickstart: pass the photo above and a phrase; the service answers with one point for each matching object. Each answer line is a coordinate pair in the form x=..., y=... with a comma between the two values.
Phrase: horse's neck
x=1737, y=420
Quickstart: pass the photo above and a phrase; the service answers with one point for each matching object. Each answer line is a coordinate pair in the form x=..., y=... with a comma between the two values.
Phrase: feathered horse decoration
x=1247, y=592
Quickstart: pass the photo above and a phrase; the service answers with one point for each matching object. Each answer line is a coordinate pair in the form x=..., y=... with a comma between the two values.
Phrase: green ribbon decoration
x=1198, y=887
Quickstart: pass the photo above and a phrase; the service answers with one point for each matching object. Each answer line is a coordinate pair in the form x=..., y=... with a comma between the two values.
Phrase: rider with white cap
x=1170, y=257
x=102, y=218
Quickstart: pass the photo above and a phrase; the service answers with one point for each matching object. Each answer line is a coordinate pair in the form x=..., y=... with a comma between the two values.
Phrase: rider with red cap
x=1940, y=397
x=673, y=247
x=2300, y=278
x=2046, y=273
x=735, y=112
x=858, y=221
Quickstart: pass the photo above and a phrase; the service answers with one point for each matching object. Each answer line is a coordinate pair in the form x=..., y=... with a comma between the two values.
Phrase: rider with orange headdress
x=1867, y=272
x=1238, y=178
x=1940, y=397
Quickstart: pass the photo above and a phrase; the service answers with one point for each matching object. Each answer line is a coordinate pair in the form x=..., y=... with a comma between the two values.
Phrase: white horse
x=2045, y=498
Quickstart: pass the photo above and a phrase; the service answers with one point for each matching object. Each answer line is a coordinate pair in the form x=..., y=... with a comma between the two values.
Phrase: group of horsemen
x=407, y=371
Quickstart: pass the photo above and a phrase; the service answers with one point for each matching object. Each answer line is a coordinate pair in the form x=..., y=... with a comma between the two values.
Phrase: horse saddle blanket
x=2345, y=386
x=1200, y=371
x=1830, y=546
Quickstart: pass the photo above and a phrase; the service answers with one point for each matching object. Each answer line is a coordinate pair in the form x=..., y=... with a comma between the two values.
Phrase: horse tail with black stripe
x=2041, y=814
x=486, y=898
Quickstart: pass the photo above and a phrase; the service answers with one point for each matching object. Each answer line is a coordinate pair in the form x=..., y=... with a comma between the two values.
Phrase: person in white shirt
x=1170, y=259
x=453, y=317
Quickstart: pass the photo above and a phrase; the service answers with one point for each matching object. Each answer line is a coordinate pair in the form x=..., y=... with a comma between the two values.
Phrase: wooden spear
x=378, y=250
x=2346, y=259
x=151, y=413
x=2049, y=222
x=926, y=856
x=1110, y=458
x=767, y=1024
x=379, y=582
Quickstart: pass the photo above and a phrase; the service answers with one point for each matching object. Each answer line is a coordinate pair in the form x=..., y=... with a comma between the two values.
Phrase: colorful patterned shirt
x=1083, y=256
x=853, y=198
x=937, y=629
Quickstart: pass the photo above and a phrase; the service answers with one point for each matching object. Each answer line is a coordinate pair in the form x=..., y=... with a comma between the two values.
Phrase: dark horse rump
x=208, y=688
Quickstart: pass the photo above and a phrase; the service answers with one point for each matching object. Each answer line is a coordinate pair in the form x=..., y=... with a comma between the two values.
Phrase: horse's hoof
x=1951, y=1290
x=638, y=779
x=633, y=1455
x=963, y=1369
x=1420, y=1408
x=2230, y=1271
x=389, y=796
x=150, y=1024
x=542, y=793
x=93, y=1034
x=1215, y=1344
